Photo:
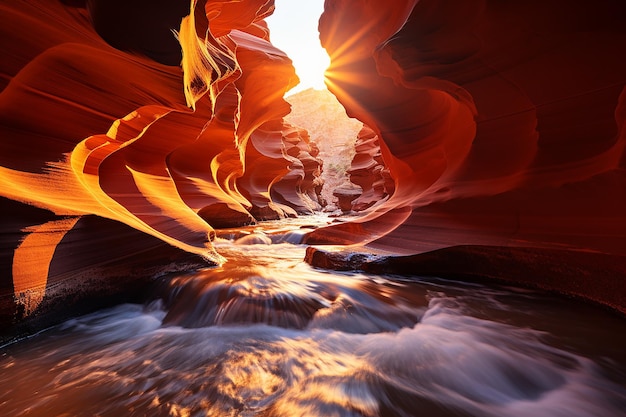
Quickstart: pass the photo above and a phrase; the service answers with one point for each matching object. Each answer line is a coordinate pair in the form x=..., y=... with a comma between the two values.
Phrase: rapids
x=267, y=335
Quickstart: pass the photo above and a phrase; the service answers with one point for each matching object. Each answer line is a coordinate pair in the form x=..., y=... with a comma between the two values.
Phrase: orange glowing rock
x=121, y=143
x=142, y=114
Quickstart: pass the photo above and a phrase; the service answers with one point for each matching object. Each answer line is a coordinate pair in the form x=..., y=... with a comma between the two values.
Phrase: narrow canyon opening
x=188, y=231
x=353, y=172
x=335, y=135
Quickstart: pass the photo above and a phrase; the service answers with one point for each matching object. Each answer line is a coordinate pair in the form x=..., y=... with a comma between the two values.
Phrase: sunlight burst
x=293, y=29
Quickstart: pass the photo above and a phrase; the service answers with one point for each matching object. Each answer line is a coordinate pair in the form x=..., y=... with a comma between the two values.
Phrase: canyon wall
x=368, y=171
x=129, y=130
x=503, y=126
x=502, y=122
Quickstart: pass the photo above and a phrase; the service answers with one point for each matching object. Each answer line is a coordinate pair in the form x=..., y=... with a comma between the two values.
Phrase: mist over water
x=267, y=335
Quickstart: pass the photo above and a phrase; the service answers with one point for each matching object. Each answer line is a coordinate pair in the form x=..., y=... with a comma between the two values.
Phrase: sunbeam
x=293, y=28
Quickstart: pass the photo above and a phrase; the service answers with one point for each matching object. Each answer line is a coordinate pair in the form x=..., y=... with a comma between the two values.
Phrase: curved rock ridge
x=282, y=178
x=156, y=117
x=368, y=171
x=128, y=130
x=502, y=123
x=590, y=276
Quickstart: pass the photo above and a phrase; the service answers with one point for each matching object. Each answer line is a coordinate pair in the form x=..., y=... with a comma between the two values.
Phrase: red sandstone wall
x=503, y=122
x=104, y=112
x=368, y=171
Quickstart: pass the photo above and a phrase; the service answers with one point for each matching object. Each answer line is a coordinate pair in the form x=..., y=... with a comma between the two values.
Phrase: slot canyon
x=176, y=238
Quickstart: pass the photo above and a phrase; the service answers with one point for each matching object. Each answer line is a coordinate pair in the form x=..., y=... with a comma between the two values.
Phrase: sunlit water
x=267, y=335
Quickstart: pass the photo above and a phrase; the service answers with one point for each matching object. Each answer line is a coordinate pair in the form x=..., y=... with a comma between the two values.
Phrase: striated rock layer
x=130, y=129
x=368, y=171
x=502, y=123
x=332, y=131
x=155, y=120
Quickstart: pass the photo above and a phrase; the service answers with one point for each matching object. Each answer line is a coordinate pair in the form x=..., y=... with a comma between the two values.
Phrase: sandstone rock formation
x=350, y=151
x=502, y=124
x=368, y=171
x=155, y=121
x=332, y=131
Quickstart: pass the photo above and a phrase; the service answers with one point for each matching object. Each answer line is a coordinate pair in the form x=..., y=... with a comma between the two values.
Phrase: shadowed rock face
x=117, y=22
x=369, y=172
x=502, y=124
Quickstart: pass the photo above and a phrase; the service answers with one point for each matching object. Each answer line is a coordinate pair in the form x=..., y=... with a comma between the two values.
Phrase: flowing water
x=267, y=335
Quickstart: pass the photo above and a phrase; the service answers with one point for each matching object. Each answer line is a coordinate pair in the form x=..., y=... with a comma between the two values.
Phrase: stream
x=268, y=335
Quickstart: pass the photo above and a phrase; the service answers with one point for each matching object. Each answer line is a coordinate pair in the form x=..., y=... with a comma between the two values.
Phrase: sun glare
x=293, y=29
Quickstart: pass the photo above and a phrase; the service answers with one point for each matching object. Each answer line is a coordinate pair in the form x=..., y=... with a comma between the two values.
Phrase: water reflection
x=266, y=335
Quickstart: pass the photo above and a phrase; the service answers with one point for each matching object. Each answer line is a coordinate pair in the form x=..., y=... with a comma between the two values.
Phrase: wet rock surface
x=583, y=275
